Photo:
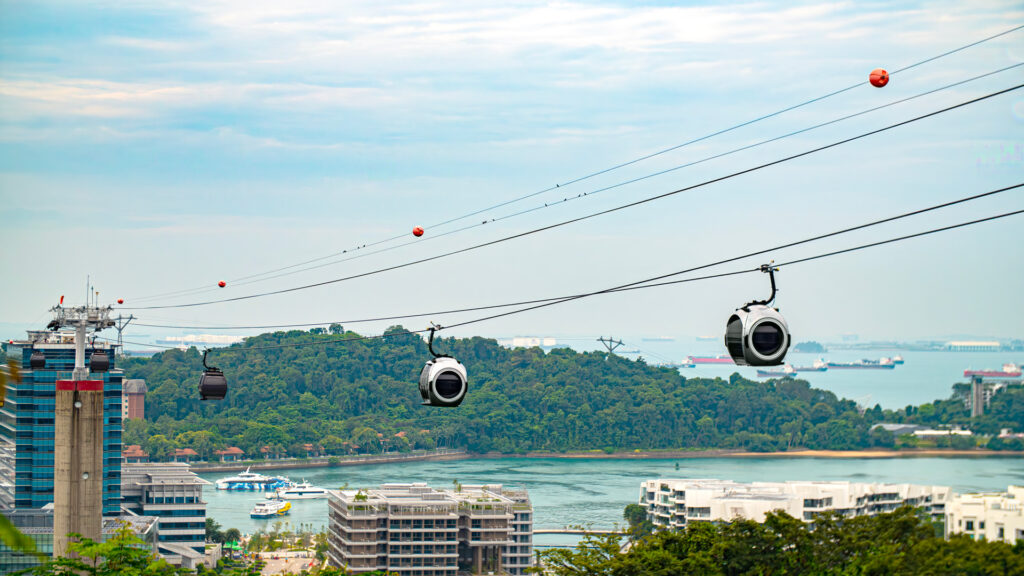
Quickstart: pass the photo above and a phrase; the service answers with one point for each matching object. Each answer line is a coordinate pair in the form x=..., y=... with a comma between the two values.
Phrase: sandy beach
x=670, y=454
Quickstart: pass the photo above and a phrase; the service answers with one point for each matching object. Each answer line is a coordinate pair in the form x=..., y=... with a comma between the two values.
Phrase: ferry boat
x=819, y=365
x=1008, y=371
x=883, y=364
x=786, y=371
x=270, y=509
x=301, y=491
x=897, y=359
x=721, y=359
x=251, y=481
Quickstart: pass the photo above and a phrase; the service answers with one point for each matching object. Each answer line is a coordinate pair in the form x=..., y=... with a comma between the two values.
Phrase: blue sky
x=167, y=145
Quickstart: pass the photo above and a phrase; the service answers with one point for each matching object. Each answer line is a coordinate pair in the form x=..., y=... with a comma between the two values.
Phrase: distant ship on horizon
x=883, y=364
x=707, y=338
x=658, y=339
x=819, y=365
x=786, y=371
x=1009, y=370
x=720, y=359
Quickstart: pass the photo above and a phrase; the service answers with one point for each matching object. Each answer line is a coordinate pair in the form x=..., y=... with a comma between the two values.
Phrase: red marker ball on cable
x=879, y=77
x=417, y=231
x=222, y=283
x=120, y=300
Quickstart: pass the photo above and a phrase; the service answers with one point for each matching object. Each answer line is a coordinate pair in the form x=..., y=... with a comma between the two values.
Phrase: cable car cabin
x=99, y=361
x=213, y=385
x=38, y=360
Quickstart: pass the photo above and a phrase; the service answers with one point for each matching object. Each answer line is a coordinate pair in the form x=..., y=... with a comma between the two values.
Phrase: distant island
x=810, y=347
x=361, y=397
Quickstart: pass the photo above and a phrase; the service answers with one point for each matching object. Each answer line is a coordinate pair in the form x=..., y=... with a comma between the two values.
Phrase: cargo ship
x=1008, y=371
x=819, y=365
x=897, y=359
x=786, y=371
x=883, y=364
x=721, y=359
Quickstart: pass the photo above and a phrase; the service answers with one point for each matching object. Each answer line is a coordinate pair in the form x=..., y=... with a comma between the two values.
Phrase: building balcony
x=351, y=557
x=361, y=541
x=491, y=542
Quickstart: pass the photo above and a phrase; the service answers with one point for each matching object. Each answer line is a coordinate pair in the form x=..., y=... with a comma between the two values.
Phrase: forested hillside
x=362, y=396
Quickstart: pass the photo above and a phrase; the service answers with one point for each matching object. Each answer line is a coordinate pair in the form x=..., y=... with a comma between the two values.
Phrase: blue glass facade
x=27, y=427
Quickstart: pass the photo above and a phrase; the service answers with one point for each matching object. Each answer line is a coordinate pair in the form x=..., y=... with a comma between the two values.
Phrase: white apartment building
x=674, y=503
x=415, y=530
x=994, y=517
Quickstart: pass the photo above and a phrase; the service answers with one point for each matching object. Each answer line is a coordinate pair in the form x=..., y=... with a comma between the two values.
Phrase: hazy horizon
x=162, y=146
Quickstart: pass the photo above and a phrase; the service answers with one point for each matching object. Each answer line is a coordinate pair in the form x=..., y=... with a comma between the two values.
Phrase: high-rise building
x=995, y=517
x=27, y=421
x=174, y=495
x=415, y=530
x=676, y=503
x=133, y=399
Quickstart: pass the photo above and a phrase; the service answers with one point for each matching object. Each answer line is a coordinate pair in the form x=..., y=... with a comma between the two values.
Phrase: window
x=969, y=525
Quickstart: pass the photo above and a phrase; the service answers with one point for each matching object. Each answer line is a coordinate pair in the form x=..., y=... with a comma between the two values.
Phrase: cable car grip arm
x=430, y=341
x=770, y=270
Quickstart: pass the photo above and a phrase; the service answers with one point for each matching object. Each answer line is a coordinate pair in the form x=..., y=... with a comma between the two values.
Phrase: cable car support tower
x=610, y=343
x=78, y=435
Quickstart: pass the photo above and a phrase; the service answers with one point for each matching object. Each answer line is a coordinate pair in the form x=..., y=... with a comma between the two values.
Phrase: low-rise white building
x=994, y=517
x=674, y=503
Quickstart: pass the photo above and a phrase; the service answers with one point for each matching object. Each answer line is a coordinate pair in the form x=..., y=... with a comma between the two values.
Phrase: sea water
x=924, y=377
x=593, y=492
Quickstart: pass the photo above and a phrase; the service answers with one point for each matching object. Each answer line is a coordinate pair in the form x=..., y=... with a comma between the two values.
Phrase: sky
x=162, y=146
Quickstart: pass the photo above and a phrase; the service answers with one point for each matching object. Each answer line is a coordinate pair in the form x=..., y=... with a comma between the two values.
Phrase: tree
x=521, y=400
x=122, y=554
x=160, y=448
x=593, y=556
x=232, y=535
x=639, y=526
x=213, y=531
x=902, y=542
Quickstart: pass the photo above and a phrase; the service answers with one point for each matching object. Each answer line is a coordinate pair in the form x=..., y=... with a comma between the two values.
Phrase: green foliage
x=13, y=538
x=123, y=554
x=638, y=525
x=213, y=531
x=903, y=542
x=358, y=396
x=1006, y=410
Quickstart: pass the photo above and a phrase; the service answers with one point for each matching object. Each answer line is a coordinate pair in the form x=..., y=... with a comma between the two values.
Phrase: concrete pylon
x=77, y=462
x=977, y=396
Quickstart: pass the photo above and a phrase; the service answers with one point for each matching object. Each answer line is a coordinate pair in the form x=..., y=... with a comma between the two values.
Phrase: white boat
x=301, y=491
x=270, y=509
x=251, y=481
